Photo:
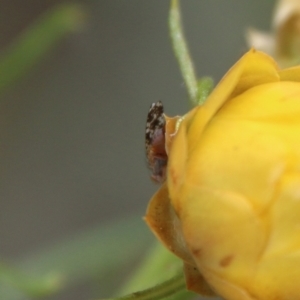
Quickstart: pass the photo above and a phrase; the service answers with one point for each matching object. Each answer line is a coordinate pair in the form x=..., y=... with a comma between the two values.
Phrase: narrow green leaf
x=182, y=53
x=37, y=40
x=91, y=253
x=29, y=285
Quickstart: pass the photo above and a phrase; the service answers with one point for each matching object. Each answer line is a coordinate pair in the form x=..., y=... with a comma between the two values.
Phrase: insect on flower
x=230, y=208
x=155, y=142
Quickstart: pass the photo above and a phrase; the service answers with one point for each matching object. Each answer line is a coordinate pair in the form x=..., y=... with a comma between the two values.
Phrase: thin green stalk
x=38, y=40
x=182, y=53
x=158, y=266
x=160, y=291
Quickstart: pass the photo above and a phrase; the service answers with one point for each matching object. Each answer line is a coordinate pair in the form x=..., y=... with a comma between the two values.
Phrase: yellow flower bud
x=230, y=207
x=283, y=42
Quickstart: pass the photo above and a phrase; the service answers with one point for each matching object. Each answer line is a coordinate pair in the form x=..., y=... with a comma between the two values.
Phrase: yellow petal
x=161, y=218
x=177, y=158
x=267, y=118
x=170, y=131
x=253, y=69
x=279, y=266
x=210, y=219
x=290, y=74
x=195, y=281
x=258, y=69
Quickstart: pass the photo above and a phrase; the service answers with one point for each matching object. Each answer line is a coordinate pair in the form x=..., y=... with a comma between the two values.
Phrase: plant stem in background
x=37, y=41
x=32, y=286
x=161, y=291
x=198, y=91
x=182, y=53
x=89, y=254
x=158, y=266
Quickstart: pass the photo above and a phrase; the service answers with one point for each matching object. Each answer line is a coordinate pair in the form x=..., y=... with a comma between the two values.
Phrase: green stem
x=37, y=40
x=159, y=265
x=160, y=291
x=182, y=53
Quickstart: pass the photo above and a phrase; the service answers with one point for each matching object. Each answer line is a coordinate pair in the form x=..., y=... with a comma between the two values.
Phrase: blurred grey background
x=72, y=131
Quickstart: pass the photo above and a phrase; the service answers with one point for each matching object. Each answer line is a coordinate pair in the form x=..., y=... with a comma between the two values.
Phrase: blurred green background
x=72, y=128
